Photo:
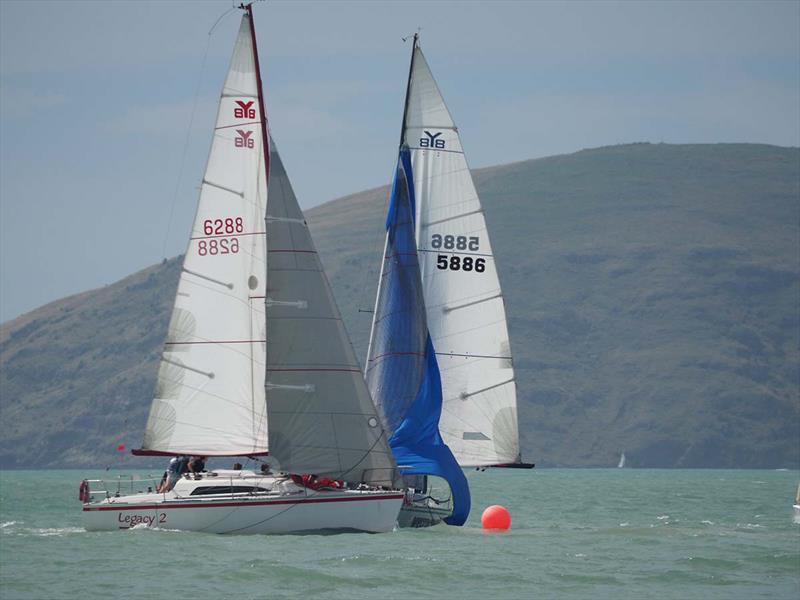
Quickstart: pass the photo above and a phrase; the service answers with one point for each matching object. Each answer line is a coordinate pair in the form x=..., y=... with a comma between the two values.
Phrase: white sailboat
x=257, y=359
x=439, y=363
x=621, y=463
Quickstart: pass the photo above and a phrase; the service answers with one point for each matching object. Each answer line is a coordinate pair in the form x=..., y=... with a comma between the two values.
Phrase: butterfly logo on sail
x=244, y=140
x=245, y=110
x=431, y=141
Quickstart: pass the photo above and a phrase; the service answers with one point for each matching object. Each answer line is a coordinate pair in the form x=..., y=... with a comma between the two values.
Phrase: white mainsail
x=464, y=302
x=255, y=336
x=210, y=394
x=321, y=417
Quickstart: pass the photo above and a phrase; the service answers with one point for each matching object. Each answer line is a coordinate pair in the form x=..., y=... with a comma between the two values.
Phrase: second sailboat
x=439, y=363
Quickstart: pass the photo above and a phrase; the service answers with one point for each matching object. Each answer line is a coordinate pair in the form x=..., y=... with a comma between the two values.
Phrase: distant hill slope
x=653, y=294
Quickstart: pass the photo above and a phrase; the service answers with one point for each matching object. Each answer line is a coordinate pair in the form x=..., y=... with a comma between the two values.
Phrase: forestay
x=465, y=308
x=210, y=393
x=321, y=417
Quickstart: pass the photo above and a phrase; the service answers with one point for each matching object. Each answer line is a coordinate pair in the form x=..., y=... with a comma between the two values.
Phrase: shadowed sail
x=321, y=417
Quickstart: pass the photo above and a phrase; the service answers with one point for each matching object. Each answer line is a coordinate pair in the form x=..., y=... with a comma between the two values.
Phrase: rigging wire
x=376, y=249
x=382, y=232
x=189, y=131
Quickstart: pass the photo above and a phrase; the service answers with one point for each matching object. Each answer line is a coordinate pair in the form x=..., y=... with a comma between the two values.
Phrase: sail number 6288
x=218, y=246
x=223, y=226
x=215, y=229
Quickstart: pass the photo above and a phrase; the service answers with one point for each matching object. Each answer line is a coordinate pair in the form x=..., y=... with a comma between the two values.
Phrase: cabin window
x=226, y=489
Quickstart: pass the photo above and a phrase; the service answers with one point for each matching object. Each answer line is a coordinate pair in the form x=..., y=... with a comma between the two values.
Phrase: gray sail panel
x=321, y=417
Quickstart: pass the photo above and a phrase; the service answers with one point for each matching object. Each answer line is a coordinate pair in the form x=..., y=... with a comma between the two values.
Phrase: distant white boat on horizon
x=621, y=463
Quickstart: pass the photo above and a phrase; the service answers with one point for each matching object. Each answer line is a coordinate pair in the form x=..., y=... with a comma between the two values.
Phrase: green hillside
x=653, y=294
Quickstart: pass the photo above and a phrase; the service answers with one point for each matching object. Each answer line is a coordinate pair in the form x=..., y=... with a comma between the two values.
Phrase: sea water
x=615, y=533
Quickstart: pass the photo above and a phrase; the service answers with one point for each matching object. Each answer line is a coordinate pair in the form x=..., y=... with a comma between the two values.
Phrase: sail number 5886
x=460, y=263
x=454, y=242
x=454, y=262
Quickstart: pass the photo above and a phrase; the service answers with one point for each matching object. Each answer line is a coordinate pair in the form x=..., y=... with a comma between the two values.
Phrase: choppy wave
x=633, y=535
x=18, y=529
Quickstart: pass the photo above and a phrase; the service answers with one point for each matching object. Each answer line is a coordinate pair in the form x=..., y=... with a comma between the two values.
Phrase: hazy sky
x=96, y=100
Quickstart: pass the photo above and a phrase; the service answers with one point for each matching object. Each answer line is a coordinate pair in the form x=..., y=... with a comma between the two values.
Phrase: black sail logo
x=431, y=141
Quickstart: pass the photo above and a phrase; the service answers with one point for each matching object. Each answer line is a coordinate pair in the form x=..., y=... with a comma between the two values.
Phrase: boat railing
x=121, y=485
x=94, y=490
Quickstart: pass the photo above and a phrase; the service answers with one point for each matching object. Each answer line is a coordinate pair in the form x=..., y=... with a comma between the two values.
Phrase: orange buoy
x=496, y=517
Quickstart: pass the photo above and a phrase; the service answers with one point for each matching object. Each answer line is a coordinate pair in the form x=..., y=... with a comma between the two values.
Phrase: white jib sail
x=321, y=417
x=210, y=392
x=464, y=303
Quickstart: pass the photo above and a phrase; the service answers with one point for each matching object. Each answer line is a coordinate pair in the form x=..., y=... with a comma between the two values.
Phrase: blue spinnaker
x=402, y=372
x=418, y=447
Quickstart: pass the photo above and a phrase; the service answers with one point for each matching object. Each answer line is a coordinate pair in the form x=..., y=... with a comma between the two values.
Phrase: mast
x=264, y=140
x=386, y=238
x=408, y=88
x=265, y=143
x=261, y=110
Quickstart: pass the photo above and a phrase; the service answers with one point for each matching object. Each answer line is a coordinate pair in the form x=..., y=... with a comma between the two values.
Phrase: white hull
x=421, y=509
x=412, y=515
x=281, y=507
